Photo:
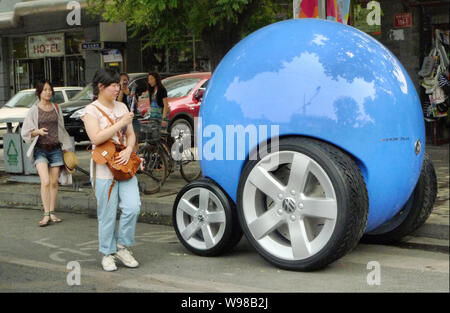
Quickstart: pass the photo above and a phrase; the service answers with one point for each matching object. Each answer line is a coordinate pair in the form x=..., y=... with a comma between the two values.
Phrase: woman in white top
x=112, y=244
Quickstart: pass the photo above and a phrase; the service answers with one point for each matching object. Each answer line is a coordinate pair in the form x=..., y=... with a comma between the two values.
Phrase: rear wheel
x=304, y=205
x=413, y=214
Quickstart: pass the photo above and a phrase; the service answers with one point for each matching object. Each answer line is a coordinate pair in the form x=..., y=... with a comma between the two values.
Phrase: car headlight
x=78, y=114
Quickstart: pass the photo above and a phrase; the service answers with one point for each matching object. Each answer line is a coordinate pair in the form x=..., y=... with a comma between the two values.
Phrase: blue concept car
x=311, y=137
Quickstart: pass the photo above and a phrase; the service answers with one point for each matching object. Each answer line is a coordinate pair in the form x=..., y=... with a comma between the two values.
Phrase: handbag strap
x=111, y=122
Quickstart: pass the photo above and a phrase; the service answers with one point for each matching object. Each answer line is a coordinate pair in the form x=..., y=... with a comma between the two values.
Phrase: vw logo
x=288, y=205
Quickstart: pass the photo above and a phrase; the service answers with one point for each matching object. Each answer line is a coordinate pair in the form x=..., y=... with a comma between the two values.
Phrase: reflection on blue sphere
x=324, y=80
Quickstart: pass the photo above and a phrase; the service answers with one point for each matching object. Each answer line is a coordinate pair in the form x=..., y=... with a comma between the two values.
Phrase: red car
x=185, y=94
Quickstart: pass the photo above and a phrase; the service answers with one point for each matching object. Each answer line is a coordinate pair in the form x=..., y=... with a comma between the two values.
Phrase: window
x=73, y=41
x=19, y=47
x=58, y=97
x=71, y=93
x=23, y=99
x=141, y=85
x=179, y=87
x=85, y=94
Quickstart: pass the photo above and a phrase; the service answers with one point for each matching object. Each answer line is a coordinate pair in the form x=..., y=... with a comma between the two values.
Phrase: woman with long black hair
x=157, y=94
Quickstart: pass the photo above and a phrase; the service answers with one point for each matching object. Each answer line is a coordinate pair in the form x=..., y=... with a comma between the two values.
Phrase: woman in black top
x=157, y=94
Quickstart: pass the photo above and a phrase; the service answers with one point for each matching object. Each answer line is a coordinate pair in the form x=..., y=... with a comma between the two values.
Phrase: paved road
x=35, y=259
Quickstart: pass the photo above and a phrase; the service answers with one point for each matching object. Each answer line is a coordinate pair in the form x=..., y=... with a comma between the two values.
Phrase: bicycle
x=154, y=168
x=185, y=155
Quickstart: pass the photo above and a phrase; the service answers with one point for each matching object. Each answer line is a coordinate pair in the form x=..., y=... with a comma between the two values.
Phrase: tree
x=220, y=24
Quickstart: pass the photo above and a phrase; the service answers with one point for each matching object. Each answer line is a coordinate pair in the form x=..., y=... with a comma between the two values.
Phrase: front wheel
x=304, y=205
x=205, y=219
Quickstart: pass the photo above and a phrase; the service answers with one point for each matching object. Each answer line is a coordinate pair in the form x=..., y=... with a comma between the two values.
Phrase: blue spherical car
x=311, y=137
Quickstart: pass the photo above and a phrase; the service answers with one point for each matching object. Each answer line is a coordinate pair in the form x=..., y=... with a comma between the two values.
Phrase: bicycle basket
x=151, y=129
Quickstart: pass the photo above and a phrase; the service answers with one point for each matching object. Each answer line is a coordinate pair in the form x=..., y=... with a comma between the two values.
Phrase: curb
x=153, y=211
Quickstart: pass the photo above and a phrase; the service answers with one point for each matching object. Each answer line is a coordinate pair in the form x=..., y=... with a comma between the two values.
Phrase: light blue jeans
x=124, y=194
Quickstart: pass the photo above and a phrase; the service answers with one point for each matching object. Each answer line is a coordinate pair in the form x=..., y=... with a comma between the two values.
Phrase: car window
x=203, y=86
x=85, y=94
x=71, y=93
x=179, y=87
x=58, y=97
x=141, y=85
x=23, y=99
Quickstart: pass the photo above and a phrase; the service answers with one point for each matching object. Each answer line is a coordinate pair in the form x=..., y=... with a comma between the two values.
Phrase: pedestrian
x=43, y=130
x=157, y=94
x=110, y=193
x=129, y=98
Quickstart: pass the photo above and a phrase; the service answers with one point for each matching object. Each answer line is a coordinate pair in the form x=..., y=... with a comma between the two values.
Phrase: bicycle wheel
x=170, y=161
x=189, y=165
x=154, y=171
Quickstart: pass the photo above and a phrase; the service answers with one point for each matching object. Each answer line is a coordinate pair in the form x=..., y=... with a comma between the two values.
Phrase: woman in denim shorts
x=43, y=129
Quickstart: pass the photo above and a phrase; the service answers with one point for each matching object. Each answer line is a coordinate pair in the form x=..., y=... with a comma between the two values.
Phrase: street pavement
x=34, y=259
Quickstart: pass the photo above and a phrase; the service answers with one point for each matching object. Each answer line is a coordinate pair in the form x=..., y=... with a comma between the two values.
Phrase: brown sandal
x=55, y=220
x=48, y=221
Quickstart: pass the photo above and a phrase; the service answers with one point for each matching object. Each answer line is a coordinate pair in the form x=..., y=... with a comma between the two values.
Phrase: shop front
x=56, y=57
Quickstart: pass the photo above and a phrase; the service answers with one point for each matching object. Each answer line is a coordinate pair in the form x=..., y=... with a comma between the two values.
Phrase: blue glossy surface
x=324, y=80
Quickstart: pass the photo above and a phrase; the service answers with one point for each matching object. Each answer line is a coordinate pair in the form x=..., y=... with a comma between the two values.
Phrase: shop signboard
x=112, y=55
x=48, y=45
x=91, y=46
x=402, y=20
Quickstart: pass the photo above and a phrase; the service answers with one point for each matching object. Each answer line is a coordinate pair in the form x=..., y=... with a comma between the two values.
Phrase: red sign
x=402, y=20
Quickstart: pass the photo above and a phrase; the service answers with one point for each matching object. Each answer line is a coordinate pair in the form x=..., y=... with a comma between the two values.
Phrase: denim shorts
x=52, y=157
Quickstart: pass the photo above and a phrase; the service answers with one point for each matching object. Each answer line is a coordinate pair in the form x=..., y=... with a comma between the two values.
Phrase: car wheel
x=205, y=219
x=302, y=206
x=182, y=125
x=413, y=214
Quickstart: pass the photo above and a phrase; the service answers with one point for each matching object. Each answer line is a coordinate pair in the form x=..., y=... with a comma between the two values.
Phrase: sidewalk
x=157, y=208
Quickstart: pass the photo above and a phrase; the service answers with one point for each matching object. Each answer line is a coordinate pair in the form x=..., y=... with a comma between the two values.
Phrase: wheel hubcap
x=201, y=218
x=289, y=205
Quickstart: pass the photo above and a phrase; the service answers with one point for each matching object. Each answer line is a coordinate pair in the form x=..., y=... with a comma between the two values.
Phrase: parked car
x=335, y=149
x=20, y=103
x=72, y=121
x=184, y=93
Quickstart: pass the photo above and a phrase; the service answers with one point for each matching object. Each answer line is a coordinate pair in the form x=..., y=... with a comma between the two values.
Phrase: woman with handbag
x=109, y=123
x=43, y=130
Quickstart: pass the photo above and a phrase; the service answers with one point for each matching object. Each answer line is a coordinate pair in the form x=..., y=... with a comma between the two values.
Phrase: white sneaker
x=126, y=257
x=109, y=263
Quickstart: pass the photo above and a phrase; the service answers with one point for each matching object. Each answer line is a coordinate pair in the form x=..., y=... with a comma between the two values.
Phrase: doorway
x=29, y=71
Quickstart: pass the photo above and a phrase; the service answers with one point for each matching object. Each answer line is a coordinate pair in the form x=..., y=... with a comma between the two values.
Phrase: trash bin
x=17, y=164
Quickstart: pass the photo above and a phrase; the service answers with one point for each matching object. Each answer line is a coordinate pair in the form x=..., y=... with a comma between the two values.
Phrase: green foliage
x=160, y=22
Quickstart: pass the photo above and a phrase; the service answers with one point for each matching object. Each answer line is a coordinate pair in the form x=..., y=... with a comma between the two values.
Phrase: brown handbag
x=108, y=153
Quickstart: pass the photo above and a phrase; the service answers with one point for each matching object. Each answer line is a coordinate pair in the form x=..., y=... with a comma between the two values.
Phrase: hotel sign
x=49, y=45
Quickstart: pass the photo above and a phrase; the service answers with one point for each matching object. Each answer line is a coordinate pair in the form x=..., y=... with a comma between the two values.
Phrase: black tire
x=190, y=169
x=413, y=214
x=155, y=169
x=232, y=233
x=351, y=199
